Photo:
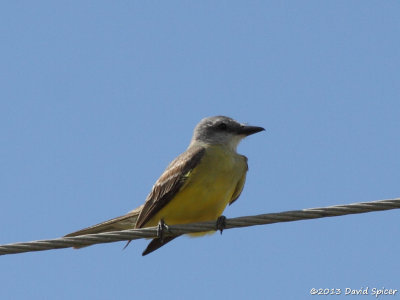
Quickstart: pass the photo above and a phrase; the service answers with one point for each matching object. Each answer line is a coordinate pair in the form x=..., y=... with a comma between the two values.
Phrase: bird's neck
x=229, y=147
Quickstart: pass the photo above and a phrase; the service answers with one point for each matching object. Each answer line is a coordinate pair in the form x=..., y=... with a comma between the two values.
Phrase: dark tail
x=127, y=221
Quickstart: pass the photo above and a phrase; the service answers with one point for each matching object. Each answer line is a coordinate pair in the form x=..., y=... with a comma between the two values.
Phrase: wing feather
x=169, y=183
x=240, y=184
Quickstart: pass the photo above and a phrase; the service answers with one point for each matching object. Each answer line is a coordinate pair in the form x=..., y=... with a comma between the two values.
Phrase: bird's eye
x=222, y=126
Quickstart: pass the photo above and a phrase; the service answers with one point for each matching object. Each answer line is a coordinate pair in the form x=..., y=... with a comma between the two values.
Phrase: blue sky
x=97, y=97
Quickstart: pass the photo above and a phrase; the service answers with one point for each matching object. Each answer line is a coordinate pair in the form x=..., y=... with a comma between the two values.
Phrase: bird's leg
x=221, y=223
x=160, y=229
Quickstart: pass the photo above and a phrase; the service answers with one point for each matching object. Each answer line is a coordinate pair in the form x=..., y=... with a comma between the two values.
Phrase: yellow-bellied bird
x=196, y=186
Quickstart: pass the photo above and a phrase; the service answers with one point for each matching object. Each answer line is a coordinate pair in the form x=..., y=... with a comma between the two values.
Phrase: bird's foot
x=221, y=223
x=161, y=228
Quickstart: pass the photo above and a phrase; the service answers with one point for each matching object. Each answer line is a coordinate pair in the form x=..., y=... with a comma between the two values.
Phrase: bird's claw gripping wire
x=161, y=228
x=221, y=223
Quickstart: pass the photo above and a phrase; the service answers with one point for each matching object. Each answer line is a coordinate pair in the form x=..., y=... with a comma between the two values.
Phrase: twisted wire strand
x=175, y=230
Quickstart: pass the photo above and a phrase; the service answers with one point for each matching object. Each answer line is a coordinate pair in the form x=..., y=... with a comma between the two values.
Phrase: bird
x=196, y=186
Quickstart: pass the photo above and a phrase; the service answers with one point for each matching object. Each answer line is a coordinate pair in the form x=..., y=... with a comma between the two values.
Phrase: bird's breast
x=207, y=190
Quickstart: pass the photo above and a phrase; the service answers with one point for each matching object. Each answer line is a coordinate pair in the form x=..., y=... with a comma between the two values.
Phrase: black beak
x=248, y=130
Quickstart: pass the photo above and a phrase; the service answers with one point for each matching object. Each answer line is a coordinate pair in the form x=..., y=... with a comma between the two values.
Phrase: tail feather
x=124, y=222
x=127, y=221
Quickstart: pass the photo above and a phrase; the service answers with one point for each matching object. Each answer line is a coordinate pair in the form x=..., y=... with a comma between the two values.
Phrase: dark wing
x=240, y=184
x=157, y=243
x=169, y=183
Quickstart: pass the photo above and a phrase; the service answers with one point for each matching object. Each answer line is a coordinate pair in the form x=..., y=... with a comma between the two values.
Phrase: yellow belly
x=207, y=190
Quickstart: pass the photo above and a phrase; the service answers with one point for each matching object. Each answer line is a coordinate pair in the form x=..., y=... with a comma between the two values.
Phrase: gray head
x=222, y=130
